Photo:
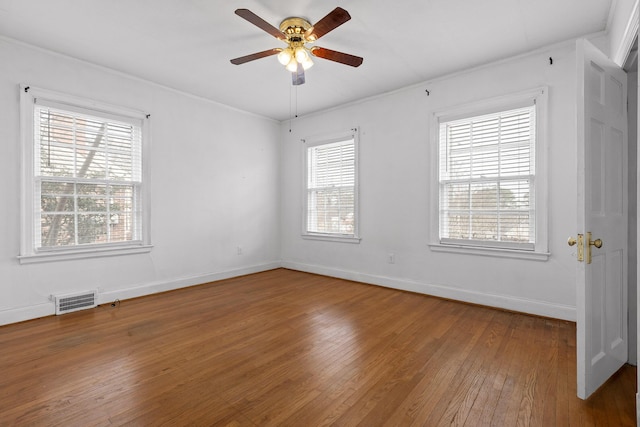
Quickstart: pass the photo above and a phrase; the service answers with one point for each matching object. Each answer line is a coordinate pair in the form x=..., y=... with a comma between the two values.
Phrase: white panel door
x=601, y=302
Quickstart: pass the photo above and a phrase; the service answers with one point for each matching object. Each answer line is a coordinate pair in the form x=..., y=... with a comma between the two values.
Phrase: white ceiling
x=187, y=44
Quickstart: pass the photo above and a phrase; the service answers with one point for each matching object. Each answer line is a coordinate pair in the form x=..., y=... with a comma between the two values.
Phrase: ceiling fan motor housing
x=294, y=28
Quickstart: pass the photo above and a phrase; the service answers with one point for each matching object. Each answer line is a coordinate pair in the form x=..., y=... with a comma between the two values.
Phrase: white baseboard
x=15, y=315
x=22, y=314
x=539, y=308
x=184, y=282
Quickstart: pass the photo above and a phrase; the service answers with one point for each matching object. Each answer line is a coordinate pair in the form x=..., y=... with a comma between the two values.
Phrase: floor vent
x=74, y=302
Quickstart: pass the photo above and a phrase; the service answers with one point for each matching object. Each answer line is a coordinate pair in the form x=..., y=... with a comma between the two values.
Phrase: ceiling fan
x=297, y=33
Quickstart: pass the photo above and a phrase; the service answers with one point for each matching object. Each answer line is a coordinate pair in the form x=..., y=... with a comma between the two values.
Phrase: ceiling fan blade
x=297, y=76
x=260, y=23
x=333, y=55
x=333, y=20
x=254, y=56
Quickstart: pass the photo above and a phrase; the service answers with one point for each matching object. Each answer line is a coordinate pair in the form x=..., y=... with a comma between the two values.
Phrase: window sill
x=331, y=238
x=82, y=254
x=492, y=252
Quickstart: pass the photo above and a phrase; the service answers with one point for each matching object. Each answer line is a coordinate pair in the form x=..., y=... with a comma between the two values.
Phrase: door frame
x=620, y=57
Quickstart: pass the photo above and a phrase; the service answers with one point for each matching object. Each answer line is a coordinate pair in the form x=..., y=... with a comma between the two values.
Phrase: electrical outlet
x=391, y=258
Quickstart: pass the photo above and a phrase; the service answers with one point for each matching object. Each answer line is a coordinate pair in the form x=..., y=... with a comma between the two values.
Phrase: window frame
x=30, y=211
x=537, y=97
x=326, y=139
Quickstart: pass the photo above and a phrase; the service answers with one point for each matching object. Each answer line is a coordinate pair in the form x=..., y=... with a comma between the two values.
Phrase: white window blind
x=87, y=177
x=487, y=179
x=331, y=188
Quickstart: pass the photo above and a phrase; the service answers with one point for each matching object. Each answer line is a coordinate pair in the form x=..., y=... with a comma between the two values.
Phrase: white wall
x=214, y=186
x=394, y=192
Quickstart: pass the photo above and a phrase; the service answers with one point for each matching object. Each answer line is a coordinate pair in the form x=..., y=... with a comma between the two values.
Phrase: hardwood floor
x=295, y=349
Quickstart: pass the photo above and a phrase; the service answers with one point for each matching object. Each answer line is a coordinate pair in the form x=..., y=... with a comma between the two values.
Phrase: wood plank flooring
x=284, y=348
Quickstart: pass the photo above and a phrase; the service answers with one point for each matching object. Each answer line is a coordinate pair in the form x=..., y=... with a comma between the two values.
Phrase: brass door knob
x=597, y=243
x=571, y=241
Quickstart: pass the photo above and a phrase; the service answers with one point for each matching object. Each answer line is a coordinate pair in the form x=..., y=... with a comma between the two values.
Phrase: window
x=331, y=187
x=489, y=176
x=83, y=183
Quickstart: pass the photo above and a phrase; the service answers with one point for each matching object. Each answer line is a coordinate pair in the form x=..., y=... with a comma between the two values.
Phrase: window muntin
x=487, y=177
x=331, y=188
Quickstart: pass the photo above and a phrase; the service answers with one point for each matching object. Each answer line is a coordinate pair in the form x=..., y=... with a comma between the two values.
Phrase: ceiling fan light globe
x=284, y=57
x=292, y=65
x=307, y=64
x=301, y=55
